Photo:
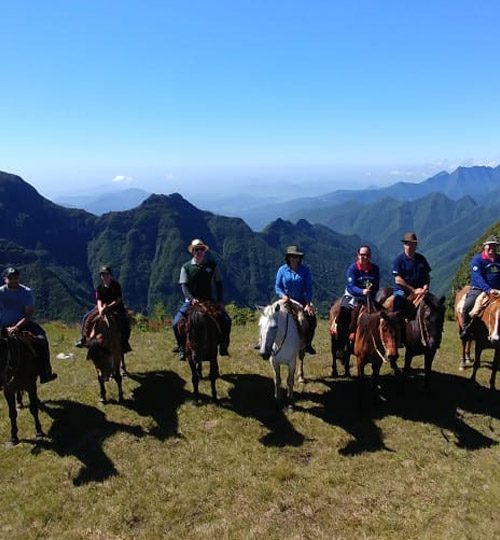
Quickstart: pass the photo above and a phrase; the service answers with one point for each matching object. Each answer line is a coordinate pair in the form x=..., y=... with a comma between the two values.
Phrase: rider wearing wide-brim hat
x=200, y=280
x=294, y=281
x=411, y=272
x=485, y=277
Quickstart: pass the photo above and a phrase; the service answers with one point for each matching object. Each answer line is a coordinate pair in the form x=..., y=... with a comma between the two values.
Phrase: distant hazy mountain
x=111, y=201
x=476, y=182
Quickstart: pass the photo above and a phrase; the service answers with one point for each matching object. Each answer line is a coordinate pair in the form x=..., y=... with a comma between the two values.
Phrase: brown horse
x=106, y=352
x=486, y=331
x=18, y=371
x=200, y=328
x=339, y=352
x=374, y=342
x=466, y=343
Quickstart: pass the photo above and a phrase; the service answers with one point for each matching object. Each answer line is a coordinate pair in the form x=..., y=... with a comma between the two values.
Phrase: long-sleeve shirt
x=485, y=272
x=294, y=284
x=358, y=279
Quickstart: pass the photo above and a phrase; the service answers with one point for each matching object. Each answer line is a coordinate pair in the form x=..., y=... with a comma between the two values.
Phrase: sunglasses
x=197, y=250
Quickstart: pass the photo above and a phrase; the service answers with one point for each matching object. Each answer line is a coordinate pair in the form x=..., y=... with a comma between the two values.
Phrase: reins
x=278, y=349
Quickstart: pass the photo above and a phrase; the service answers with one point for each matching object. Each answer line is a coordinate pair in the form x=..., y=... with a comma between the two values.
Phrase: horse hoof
x=302, y=380
x=39, y=435
x=103, y=401
x=334, y=374
x=11, y=443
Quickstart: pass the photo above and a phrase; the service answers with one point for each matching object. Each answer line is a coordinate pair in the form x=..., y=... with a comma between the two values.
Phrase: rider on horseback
x=294, y=282
x=362, y=284
x=200, y=280
x=485, y=277
x=16, y=311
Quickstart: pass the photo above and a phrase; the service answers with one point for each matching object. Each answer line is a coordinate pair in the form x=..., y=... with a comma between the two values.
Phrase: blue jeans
x=399, y=300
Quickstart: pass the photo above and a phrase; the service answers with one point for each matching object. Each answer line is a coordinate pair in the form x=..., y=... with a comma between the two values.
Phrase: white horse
x=280, y=342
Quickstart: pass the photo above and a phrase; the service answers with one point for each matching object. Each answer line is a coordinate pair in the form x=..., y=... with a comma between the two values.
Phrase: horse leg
x=375, y=379
x=361, y=378
x=346, y=360
x=277, y=380
x=194, y=378
x=214, y=374
x=302, y=379
x=406, y=369
x=333, y=348
x=494, y=367
x=11, y=402
x=19, y=399
x=119, y=380
x=477, y=362
x=102, y=388
x=33, y=399
x=290, y=381
x=428, y=359
x=123, y=366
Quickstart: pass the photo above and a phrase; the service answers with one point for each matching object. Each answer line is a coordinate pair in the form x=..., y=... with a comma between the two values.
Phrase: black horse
x=200, y=329
x=19, y=369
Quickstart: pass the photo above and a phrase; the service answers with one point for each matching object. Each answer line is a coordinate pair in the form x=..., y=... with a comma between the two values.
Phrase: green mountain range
x=59, y=251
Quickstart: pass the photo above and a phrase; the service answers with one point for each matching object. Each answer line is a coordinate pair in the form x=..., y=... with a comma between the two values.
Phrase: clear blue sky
x=170, y=93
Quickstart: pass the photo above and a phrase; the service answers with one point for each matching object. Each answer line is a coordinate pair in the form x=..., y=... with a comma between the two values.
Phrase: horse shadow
x=251, y=396
x=159, y=396
x=80, y=430
x=451, y=394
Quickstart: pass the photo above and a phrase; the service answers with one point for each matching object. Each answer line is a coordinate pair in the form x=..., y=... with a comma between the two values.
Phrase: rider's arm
x=351, y=286
x=280, y=286
x=477, y=275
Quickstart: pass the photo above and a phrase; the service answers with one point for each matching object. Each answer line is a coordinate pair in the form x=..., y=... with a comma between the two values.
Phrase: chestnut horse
x=467, y=342
x=106, y=351
x=340, y=352
x=201, y=330
x=485, y=329
x=375, y=342
x=18, y=371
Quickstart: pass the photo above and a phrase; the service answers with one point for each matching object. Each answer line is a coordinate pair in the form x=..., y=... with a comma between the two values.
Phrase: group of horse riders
x=200, y=280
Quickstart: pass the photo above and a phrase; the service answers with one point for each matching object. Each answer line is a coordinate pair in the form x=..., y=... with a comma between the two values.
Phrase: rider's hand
x=285, y=298
x=12, y=330
x=195, y=301
x=309, y=309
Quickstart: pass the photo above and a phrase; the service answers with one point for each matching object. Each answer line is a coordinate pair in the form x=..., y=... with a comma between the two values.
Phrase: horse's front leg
x=301, y=377
x=33, y=398
x=194, y=377
x=19, y=399
x=277, y=379
x=102, y=387
x=214, y=375
x=361, y=377
x=119, y=383
x=477, y=361
x=11, y=402
x=123, y=366
x=333, y=349
x=406, y=369
x=376, y=364
x=428, y=359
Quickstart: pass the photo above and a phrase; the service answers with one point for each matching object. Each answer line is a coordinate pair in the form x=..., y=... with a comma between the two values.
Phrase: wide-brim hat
x=197, y=243
x=10, y=271
x=491, y=240
x=105, y=270
x=410, y=237
x=293, y=250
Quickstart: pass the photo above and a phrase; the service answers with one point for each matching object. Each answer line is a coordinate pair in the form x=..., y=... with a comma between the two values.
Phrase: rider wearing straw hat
x=200, y=280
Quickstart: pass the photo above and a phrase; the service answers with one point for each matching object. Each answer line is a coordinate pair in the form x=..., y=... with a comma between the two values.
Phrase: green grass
x=160, y=467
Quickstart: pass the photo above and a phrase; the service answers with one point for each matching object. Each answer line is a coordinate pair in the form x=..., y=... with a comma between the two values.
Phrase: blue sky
x=216, y=95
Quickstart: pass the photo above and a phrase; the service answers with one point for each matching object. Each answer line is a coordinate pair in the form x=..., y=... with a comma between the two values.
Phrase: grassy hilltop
x=159, y=467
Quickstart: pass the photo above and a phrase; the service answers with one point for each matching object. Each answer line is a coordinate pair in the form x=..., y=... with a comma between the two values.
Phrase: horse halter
x=381, y=335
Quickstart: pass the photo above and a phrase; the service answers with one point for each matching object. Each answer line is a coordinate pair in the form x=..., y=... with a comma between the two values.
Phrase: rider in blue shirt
x=294, y=281
x=485, y=277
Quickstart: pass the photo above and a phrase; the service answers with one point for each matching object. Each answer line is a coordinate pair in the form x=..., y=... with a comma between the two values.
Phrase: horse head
x=389, y=329
x=268, y=326
x=430, y=317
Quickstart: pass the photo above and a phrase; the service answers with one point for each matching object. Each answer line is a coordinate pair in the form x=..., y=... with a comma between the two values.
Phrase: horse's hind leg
x=494, y=368
x=277, y=380
x=290, y=381
x=194, y=379
x=123, y=366
x=33, y=397
x=301, y=377
x=477, y=363
x=11, y=402
x=214, y=374
x=333, y=348
x=119, y=381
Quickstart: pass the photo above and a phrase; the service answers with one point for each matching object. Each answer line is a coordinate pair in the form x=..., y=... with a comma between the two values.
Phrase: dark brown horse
x=375, y=342
x=19, y=368
x=340, y=351
x=201, y=330
x=106, y=352
x=486, y=331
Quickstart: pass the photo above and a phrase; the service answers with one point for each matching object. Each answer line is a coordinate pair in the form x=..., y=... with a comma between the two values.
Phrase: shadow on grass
x=80, y=430
x=452, y=396
x=159, y=395
x=252, y=396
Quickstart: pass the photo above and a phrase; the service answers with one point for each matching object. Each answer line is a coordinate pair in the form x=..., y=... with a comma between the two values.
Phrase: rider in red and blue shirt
x=485, y=277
